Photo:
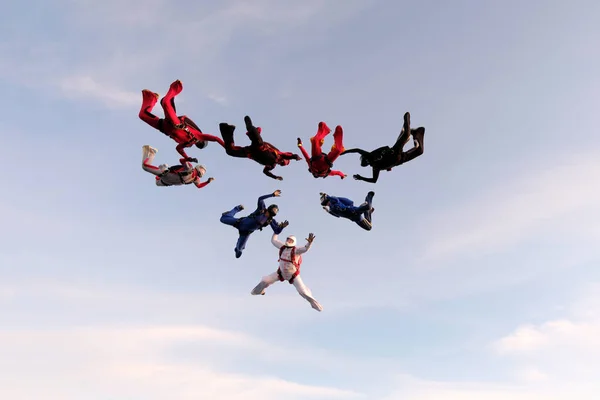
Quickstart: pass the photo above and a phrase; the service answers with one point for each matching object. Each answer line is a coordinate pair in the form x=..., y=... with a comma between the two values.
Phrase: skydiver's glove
x=284, y=224
x=310, y=238
x=191, y=159
x=210, y=179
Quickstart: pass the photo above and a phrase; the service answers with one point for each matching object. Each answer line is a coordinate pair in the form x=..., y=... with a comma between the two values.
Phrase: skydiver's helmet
x=200, y=170
x=201, y=144
x=290, y=241
x=273, y=209
x=324, y=199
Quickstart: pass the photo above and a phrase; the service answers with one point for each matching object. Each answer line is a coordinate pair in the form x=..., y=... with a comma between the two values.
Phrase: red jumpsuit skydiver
x=320, y=164
x=179, y=128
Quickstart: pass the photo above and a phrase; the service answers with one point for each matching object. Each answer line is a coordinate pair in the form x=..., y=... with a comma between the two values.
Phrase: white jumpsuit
x=287, y=271
x=169, y=178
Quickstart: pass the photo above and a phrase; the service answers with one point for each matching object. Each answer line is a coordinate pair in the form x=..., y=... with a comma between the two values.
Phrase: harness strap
x=296, y=264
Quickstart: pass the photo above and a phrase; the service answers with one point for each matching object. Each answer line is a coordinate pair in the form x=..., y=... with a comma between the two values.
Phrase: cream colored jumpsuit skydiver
x=288, y=270
x=183, y=174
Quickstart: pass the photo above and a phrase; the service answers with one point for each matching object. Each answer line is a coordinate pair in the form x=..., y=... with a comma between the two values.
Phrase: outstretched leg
x=228, y=217
x=264, y=283
x=338, y=144
x=230, y=147
x=318, y=140
x=168, y=102
x=418, y=136
x=149, y=100
x=253, y=132
x=241, y=243
x=404, y=135
x=148, y=153
x=306, y=293
x=363, y=223
x=369, y=200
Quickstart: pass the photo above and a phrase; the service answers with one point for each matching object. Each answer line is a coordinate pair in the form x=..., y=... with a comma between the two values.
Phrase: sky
x=479, y=279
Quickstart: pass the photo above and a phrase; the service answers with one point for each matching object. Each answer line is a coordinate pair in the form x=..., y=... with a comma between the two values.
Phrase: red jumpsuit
x=179, y=128
x=320, y=164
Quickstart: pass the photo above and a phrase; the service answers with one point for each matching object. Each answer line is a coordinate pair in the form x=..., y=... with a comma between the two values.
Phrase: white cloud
x=135, y=362
x=85, y=87
x=556, y=197
x=112, y=48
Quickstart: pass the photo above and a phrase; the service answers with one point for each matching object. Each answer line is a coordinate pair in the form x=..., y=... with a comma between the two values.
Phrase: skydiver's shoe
x=238, y=253
x=227, y=132
x=323, y=127
x=418, y=136
x=407, y=119
x=149, y=99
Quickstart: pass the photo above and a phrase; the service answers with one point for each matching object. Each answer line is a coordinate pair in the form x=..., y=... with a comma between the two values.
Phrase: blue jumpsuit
x=342, y=207
x=247, y=225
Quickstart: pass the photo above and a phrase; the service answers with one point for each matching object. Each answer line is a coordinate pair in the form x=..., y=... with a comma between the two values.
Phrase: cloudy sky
x=479, y=280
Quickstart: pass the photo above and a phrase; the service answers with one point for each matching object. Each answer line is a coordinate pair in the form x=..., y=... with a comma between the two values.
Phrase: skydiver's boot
x=168, y=102
x=227, y=133
x=338, y=144
x=418, y=137
x=149, y=100
x=363, y=223
x=318, y=140
x=369, y=214
x=148, y=153
x=259, y=289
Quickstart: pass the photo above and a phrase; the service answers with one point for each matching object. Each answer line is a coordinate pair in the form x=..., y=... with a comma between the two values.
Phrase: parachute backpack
x=293, y=261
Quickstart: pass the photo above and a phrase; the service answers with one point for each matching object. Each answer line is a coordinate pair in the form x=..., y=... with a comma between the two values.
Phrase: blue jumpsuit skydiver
x=260, y=218
x=342, y=207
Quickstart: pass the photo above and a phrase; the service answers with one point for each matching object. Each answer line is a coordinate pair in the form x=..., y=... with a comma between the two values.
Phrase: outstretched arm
x=370, y=180
x=305, y=248
x=277, y=243
x=337, y=173
x=261, y=200
x=359, y=151
x=304, y=152
x=199, y=184
x=278, y=227
x=267, y=171
x=180, y=149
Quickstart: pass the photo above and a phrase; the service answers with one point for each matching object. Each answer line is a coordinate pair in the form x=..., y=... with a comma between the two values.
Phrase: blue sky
x=479, y=279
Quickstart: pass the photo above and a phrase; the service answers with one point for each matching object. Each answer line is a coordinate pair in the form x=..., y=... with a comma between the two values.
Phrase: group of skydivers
x=187, y=134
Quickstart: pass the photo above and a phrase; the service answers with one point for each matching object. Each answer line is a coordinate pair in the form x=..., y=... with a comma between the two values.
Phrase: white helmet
x=290, y=241
x=200, y=170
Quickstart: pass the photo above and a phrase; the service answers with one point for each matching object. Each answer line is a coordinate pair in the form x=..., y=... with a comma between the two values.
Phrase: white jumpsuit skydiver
x=184, y=175
x=289, y=270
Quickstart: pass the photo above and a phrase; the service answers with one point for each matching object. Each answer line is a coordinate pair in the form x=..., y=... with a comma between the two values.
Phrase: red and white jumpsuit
x=184, y=175
x=289, y=270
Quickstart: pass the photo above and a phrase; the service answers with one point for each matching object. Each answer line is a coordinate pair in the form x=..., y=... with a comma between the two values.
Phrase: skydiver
x=260, y=218
x=176, y=175
x=386, y=158
x=260, y=151
x=343, y=207
x=290, y=259
x=179, y=128
x=320, y=164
